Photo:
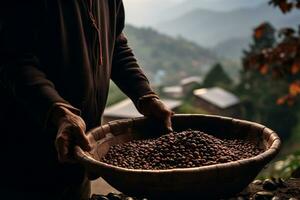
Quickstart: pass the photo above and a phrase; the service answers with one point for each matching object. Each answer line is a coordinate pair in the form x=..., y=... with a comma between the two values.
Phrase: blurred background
x=235, y=58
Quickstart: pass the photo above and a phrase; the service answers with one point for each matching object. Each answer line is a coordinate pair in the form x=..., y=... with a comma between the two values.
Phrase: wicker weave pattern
x=201, y=181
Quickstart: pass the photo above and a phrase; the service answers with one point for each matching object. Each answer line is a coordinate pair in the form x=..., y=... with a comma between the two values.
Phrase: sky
x=151, y=12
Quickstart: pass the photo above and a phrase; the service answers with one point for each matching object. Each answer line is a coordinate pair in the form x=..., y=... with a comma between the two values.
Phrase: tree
x=259, y=90
x=217, y=77
x=282, y=59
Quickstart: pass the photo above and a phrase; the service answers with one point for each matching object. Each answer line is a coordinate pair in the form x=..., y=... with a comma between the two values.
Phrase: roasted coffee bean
x=263, y=195
x=184, y=149
x=280, y=182
x=269, y=185
x=275, y=198
x=129, y=198
x=98, y=197
x=112, y=196
x=257, y=182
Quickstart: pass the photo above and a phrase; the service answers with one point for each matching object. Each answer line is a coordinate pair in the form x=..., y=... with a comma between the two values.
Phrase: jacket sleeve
x=126, y=72
x=20, y=71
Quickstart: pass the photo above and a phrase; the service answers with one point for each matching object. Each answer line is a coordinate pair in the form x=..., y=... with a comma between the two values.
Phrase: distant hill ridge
x=166, y=59
x=224, y=25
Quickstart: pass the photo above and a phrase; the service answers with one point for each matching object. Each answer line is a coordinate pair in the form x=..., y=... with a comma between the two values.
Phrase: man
x=56, y=60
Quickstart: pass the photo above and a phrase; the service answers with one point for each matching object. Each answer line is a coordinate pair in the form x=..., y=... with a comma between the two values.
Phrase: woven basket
x=212, y=181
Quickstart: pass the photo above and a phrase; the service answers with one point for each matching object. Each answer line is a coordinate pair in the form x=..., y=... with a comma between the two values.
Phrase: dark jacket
x=61, y=51
x=50, y=52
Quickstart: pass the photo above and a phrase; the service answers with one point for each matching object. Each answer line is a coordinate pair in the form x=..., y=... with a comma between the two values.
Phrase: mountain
x=166, y=59
x=146, y=12
x=214, y=5
x=151, y=12
x=232, y=48
x=209, y=28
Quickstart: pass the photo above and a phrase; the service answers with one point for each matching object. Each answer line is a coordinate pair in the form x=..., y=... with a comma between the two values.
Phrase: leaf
x=287, y=32
x=282, y=100
x=298, y=4
x=260, y=30
x=295, y=67
x=285, y=6
x=264, y=69
x=294, y=88
x=258, y=33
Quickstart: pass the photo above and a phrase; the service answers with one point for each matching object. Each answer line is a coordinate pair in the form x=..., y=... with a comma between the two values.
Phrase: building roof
x=217, y=96
x=191, y=79
x=172, y=89
x=126, y=109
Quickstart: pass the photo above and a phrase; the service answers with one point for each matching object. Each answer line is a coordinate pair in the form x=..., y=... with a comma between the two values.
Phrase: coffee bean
x=280, y=182
x=275, y=198
x=112, y=196
x=129, y=198
x=179, y=150
x=269, y=185
x=263, y=195
x=257, y=182
x=98, y=197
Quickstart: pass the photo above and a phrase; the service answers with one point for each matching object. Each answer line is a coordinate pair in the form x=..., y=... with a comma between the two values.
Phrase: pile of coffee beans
x=179, y=150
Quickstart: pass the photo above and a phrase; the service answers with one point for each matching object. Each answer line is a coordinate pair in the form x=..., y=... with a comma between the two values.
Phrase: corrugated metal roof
x=126, y=109
x=191, y=79
x=218, y=97
x=172, y=89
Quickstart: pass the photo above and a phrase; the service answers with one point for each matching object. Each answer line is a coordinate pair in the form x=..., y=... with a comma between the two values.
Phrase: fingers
x=67, y=138
x=168, y=122
x=62, y=145
x=160, y=111
x=83, y=141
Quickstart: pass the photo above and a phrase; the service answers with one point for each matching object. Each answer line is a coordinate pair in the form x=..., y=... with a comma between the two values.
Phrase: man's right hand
x=71, y=132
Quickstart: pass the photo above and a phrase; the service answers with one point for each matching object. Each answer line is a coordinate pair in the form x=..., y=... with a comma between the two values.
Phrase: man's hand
x=154, y=107
x=71, y=132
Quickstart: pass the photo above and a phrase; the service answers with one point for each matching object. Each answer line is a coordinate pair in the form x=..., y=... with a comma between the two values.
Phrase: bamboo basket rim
x=262, y=157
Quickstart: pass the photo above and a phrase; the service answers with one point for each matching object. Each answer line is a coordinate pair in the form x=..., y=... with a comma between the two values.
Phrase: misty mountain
x=213, y=5
x=166, y=59
x=232, y=48
x=146, y=12
x=151, y=12
x=209, y=28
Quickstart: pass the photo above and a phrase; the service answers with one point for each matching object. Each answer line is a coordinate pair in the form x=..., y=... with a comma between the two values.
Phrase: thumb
x=83, y=140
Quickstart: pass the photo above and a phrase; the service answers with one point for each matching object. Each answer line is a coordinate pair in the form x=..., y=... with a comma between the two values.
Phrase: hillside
x=165, y=59
x=209, y=28
x=232, y=48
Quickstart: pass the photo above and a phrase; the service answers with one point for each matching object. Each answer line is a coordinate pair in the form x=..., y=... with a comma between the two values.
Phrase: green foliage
x=217, y=77
x=188, y=108
x=283, y=168
x=115, y=94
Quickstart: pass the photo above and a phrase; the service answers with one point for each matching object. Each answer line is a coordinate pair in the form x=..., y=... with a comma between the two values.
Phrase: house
x=217, y=101
x=186, y=85
x=190, y=83
x=125, y=109
x=173, y=91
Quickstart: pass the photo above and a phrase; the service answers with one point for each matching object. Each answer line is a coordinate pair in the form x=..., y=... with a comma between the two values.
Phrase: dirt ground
x=289, y=189
x=100, y=186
